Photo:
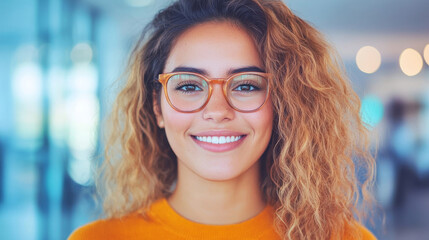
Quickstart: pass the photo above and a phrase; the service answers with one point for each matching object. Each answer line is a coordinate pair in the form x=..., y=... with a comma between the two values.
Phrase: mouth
x=218, y=143
x=218, y=139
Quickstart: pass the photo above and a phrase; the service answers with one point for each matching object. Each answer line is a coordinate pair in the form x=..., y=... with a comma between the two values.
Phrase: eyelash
x=187, y=83
x=248, y=83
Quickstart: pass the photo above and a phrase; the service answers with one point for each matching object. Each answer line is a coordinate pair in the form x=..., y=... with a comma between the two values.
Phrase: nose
x=218, y=108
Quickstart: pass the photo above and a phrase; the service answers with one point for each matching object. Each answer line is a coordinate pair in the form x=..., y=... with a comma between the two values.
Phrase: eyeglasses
x=190, y=92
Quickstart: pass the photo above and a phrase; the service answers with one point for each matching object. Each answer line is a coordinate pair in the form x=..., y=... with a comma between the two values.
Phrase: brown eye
x=246, y=88
x=189, y=88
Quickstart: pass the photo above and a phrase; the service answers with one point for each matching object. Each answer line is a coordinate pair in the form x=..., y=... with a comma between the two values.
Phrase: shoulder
x=357, y=231
x=90, y=231
x=136, y=225
x=127, y=227
x=365, y=233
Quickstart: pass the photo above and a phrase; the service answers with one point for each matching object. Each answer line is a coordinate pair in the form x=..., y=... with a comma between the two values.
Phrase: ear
x=157, y=110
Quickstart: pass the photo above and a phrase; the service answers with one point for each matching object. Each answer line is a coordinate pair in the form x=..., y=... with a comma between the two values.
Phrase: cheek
x=176, y=123
x=262, y=120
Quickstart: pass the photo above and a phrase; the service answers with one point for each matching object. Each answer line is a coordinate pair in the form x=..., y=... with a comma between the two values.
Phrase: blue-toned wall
x=60, y=58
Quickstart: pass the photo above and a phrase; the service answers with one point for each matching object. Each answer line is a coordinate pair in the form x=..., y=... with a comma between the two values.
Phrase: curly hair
x=318, y=146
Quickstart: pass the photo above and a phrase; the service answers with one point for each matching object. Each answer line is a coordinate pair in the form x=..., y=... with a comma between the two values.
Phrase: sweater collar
x=251, y=228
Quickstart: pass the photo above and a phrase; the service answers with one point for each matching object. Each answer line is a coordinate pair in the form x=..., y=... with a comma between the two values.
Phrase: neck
x=217, y=202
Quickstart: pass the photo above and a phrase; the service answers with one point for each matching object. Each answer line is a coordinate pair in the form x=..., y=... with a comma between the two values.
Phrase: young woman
x=235, y=123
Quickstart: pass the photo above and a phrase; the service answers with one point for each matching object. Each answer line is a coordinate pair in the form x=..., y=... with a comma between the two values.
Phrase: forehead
x=215, y=47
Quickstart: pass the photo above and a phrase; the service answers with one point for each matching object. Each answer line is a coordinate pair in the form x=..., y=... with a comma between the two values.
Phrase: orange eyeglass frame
x=164, y=77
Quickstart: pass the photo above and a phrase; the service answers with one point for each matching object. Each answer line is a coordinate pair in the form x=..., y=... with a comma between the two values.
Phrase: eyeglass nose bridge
x=211, y=83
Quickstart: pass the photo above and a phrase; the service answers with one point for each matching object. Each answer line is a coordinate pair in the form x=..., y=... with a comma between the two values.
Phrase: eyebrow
x=190, y=69
x=231, y=71
x=246, y=69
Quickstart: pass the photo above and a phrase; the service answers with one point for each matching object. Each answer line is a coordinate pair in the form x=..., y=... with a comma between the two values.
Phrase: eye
x=189, y=88
x=247, y=84
x=246, y=88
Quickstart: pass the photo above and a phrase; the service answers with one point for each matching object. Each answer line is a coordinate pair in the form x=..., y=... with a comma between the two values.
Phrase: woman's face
x=216, y=49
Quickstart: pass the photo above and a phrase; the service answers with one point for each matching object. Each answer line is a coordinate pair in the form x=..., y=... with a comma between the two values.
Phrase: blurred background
x=59, y=59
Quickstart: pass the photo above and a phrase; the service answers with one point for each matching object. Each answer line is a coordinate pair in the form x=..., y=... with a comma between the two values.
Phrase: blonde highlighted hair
x=309, y=171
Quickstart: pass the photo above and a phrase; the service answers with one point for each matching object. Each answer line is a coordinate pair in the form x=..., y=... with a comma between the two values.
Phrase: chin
x=219, y=177
x=221, y=173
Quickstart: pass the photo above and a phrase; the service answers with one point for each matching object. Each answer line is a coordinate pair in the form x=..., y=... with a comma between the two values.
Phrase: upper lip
x=218, y=133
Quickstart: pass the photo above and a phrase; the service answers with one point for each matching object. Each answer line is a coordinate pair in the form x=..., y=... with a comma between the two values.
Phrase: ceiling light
x=368, y=59
x=411, y=62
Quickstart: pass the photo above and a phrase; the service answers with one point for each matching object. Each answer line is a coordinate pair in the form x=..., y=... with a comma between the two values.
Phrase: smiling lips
x=218, y=142
x=218, y=139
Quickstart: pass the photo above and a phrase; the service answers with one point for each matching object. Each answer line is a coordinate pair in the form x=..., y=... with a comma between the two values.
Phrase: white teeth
x=218, y=139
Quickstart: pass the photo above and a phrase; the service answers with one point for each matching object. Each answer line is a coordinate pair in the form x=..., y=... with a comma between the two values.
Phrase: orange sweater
x=165, y=223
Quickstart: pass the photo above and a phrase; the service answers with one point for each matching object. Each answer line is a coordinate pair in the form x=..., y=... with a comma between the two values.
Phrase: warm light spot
x=368, y=59
x=426, y=54
x=411, y=62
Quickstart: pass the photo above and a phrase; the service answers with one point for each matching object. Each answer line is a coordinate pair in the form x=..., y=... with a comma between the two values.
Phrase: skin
x=216, y=187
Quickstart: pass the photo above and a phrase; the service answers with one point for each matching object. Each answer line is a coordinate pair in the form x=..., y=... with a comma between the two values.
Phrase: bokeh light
x=426, y=54
x=81, y=53
x=79, y=170
x=368, y=59
x=83, y=111
x=411, y=62
x=372, y=110
x=27, y=82
x=83, y=117
x=27, y=94
x=83, y=78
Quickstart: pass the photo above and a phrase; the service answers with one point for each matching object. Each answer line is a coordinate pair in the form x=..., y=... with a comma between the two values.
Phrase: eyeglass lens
x=245, y=92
